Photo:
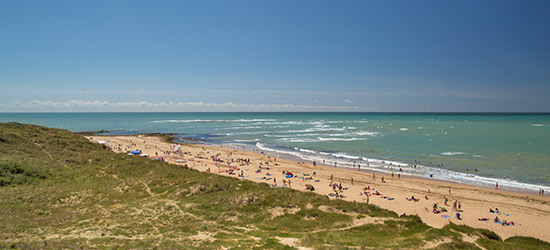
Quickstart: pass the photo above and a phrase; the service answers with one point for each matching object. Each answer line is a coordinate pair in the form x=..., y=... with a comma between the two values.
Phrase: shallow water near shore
x=511, y=149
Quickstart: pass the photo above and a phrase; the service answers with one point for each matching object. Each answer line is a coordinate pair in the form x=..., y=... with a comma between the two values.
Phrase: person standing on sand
x=373, y=176
x=496, y=187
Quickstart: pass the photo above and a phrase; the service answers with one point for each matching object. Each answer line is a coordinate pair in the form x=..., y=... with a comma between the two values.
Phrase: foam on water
x=348, y=134
x=340, y=139
x=452, y=153
x=342, y=155
x=366, y=133
x=479, y=156
x=298, y=140
x=269, y=135
x=306, y=135
x=295, y=153
x=314, y=129
x=181, y=121
x=281, y=123
x=243, y=127
x=306, y=150
x=247, y=133
x=319, y=139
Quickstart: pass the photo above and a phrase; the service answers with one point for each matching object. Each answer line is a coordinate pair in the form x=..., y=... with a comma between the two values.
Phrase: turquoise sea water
x=511, y=149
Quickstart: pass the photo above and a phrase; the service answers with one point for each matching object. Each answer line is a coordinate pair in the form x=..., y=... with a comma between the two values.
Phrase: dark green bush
x=16, y=173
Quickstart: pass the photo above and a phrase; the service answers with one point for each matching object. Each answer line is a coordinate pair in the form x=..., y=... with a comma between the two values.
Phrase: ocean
x=511, y=149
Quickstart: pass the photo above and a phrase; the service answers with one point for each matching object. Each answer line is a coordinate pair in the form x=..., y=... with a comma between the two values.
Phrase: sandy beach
x=530, y=213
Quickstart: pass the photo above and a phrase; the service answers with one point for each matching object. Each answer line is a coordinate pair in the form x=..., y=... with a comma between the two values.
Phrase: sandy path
x=530, y=213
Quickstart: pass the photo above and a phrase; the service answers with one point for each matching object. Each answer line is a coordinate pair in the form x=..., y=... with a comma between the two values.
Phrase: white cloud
x=106, y=106
x=348, y=101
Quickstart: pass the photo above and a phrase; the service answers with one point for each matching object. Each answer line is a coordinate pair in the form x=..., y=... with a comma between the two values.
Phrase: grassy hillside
x=57, y=190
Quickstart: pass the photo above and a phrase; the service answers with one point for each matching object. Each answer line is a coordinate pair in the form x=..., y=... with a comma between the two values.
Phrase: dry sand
x=530, y=213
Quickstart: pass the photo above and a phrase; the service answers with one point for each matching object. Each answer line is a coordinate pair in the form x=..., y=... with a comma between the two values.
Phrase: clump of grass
x=490, y=235
x=17, y=173
x=526, y=243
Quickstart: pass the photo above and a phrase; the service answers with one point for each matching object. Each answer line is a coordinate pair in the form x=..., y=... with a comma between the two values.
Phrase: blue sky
x=275, y=56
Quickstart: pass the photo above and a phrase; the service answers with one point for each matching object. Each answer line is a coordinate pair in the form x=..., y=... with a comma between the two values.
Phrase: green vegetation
x=13, y=173
x=60, y=191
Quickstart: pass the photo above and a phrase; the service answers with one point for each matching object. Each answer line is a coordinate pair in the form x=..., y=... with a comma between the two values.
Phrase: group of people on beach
x=497, y=220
